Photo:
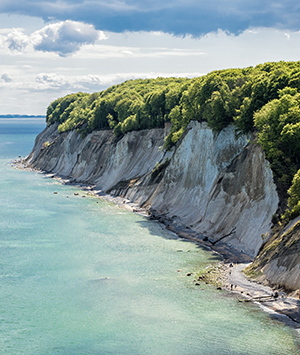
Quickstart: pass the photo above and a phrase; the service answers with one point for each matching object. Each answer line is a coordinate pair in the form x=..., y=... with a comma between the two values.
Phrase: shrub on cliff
x=294, y=197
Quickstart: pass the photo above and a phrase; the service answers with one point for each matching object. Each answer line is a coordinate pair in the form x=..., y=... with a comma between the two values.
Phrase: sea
x=80, y=275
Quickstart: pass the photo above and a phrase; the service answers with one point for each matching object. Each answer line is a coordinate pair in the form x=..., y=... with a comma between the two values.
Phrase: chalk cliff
x=215, y=183
x=279, y=260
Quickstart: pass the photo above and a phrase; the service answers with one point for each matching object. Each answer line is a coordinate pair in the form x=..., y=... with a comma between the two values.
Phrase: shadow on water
x=220, y=251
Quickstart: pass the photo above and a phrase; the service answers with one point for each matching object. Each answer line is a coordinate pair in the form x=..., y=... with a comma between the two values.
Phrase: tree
x=294, y=195
x=244, y=116
x=216, y=112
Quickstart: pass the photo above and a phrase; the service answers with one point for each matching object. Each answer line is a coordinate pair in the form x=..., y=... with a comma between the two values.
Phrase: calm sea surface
x=81, y=276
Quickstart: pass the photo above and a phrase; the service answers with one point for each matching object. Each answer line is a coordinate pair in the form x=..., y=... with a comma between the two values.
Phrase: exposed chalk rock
x=220, y=184
x=279, y=260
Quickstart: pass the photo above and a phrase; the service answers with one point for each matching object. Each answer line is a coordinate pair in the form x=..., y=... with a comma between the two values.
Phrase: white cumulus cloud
x=66, y=37
x=6, y=78
x=16, y=40
x=63, y=38
x=52, y=80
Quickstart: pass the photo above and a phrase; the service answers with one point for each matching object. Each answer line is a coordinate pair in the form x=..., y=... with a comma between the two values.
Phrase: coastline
x=270, y=300
x=282, y=307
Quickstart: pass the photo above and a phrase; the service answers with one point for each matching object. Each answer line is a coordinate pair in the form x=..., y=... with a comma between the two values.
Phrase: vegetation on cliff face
x=283, y=245
x=264, y=100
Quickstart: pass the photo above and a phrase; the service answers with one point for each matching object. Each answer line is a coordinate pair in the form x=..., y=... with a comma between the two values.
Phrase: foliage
x=278, y=125
x=294, y=197
x=132, y=105
x=46, y=144
x=158, y=169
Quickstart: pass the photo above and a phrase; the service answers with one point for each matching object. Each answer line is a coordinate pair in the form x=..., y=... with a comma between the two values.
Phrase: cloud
x=6, y=78
x=41, y=77
x=17, y=40
x=63, y=38
x=127, y=52
x=52, y=80
x=66, y=37
x=180, y=17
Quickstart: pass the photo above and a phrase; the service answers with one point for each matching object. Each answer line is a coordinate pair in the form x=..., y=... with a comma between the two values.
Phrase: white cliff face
x=227, y=186
x=98, y=158
x=218, y=184
x=134, y=157
x=280, y=259
x=283, y=276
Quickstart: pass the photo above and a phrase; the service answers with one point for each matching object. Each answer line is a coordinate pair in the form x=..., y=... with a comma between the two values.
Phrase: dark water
x=81, y=276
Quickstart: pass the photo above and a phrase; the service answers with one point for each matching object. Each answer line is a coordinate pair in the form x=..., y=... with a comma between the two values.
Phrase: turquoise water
x=81, y=276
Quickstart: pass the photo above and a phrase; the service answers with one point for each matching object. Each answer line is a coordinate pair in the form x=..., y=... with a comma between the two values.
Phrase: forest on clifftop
x=263, y=101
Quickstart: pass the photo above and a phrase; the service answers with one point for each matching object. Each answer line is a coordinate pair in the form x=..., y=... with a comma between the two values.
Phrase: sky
x=51, y=48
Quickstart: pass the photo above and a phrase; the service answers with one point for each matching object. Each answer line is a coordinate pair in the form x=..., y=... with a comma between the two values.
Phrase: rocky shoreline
x=228, y=275
x=269, y=299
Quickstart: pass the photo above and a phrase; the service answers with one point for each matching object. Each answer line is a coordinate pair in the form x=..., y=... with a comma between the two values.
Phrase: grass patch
x=213, y=274
x=250, y=271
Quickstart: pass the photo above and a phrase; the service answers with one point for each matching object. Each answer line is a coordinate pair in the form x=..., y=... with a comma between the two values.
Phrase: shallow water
x=81, y=276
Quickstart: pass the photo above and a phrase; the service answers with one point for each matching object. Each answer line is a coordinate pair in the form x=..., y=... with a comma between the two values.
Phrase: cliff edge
x=217, y=184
